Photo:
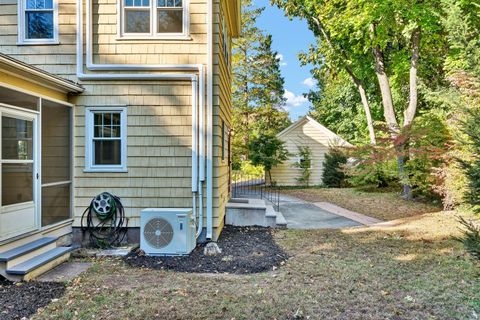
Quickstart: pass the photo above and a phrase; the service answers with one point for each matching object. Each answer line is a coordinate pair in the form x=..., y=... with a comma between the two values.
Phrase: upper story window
x=154, y=18
x=38, y=22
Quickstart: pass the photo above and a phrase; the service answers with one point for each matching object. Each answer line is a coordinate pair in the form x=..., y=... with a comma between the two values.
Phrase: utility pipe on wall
x=197, y=91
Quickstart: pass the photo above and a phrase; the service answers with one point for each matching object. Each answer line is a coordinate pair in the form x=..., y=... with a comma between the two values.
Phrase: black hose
x=109, y=232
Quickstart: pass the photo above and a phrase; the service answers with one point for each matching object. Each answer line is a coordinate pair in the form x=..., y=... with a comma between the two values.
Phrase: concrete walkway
x=304, y=215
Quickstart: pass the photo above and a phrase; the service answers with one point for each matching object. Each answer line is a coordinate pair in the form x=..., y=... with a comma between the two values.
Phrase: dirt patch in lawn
x=244, y=250
x=381, y=204
x=19, y=300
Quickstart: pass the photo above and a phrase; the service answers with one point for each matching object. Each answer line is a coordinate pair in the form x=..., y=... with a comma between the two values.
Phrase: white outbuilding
x=305, y=132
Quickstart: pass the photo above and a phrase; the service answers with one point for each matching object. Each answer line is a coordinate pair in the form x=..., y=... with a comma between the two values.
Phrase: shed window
x=106, y=139
x=38, y=21
x=155, y=18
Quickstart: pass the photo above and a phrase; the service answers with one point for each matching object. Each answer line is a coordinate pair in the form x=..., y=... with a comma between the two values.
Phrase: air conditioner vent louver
x=158, y=233
x=167, y=231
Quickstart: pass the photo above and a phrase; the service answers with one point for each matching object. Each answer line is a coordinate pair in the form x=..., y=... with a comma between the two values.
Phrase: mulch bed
x=244, y=250
x=23, y=299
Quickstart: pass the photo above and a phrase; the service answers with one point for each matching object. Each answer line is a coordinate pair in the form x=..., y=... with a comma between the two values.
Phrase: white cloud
x=294, y=101
x=310, y=82
x=280, y=57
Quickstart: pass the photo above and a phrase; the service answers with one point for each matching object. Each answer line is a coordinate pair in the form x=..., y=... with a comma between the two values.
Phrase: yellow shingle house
x=126, y=96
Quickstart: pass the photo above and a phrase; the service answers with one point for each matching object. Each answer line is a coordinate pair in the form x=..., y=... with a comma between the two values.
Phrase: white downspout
x=198, y=90
x=209, y=119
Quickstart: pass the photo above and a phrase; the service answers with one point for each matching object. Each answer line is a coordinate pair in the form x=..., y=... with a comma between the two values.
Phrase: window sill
x=39, y=43
x=107, y=170
x=155, y=38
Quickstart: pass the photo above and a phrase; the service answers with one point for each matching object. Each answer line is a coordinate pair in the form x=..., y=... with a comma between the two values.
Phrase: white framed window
x=38, y=22
x=140, y=19
x=106, y=139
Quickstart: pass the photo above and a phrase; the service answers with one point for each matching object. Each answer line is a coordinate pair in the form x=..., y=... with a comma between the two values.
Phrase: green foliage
x=257, y=88
x=430, y=143
x=333, y=168
x=304, y=164
x=472, y=167
x=471, y=238
x=337, y=106
x=247, y=168
x=267, y=151
x=371, y=169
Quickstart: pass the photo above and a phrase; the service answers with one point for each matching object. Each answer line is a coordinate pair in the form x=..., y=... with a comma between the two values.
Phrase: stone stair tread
x=38, y=261
x=26, y=248
x=281, y=221
x=270, y=212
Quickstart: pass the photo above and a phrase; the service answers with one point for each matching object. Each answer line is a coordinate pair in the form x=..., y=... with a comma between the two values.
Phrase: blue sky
x=289, y=38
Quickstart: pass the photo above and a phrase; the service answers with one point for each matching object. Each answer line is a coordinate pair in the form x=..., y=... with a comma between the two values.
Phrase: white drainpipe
x=209, y=119
x=198, y=90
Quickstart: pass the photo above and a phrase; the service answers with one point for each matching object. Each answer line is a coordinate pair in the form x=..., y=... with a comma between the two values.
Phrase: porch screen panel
x=56, y=162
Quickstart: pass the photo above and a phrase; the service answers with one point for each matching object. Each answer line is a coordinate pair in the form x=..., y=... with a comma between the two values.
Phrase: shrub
x=472, y=167
x=268, y=151
x=471, y=238
x=305, y=164
x=333, y=173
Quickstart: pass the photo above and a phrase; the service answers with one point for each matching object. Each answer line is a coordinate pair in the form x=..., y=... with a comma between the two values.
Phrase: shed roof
x=320, y=127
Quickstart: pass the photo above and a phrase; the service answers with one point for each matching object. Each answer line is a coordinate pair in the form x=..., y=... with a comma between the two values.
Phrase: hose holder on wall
x=105, y=221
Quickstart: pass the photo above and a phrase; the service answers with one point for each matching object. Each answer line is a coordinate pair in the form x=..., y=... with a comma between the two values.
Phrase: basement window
x=38, y=22
x=154, y=19
x=106, y=139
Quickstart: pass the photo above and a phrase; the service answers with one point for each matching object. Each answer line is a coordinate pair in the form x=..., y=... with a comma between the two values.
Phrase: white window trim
x=153, y=35
x=89, y=166
x=22, y=40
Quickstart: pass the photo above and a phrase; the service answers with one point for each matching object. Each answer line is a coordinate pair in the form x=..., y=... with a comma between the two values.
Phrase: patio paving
x=304, y=215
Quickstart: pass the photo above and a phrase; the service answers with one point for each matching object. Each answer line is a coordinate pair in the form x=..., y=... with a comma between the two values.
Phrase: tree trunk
x=358, y=83
x=384, y=84
x=366, y=108
x=389, y=114
x=409, y=114
x=413, y=99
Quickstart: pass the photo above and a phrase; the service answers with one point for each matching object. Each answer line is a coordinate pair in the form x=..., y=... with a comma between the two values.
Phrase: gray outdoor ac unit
x=167, y=232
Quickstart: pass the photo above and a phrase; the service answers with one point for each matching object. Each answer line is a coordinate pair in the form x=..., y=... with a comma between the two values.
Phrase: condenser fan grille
x=158, y=233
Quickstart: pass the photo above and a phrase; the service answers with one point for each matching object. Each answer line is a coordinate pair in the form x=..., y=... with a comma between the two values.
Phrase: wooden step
x=27, y=251
x=40, y=264
x=26, y=248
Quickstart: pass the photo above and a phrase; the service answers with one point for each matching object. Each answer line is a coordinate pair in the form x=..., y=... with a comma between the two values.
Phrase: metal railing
x=254, y=186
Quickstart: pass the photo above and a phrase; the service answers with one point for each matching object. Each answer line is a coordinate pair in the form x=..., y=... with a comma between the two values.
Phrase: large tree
x=382, y=38
x=257, y=84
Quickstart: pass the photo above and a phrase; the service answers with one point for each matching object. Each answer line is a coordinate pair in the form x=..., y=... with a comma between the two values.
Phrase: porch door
x=19, y=172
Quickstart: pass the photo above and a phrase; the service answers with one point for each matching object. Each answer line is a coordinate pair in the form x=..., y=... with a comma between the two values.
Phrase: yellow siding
x=304, y=135
x=108, y=48
x=222, y=112
x=158, y=147
x=159, y=113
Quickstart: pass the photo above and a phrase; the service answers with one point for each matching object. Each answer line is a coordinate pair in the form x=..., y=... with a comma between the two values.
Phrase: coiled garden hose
x=105, y=220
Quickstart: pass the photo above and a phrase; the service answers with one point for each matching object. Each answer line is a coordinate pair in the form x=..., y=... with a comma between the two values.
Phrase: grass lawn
x=411, y=270
x=375, y=203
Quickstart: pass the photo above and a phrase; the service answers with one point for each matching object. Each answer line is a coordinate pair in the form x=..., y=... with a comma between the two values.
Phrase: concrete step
x=270, y=217
x=253, y=212
x=281, y=221
x=27, y=251
x=38, y=265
